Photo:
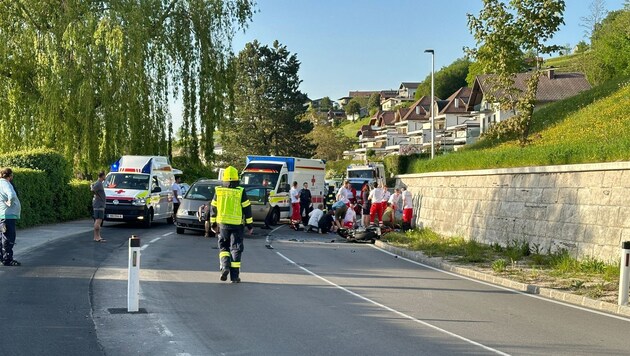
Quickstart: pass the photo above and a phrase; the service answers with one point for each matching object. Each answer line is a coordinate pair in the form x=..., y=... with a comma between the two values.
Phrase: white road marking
x=168, y=233
x=144, y=247
x=503, y=288
x=393, y=310
x=155, y=239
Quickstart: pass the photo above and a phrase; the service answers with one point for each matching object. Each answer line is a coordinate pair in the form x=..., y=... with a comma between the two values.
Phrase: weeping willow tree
x=93, y=79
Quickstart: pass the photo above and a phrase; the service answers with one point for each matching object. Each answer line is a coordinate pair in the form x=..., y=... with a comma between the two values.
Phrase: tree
x=581, y=47
x=330, y=143
x=326, y=104
x=92, y=79
x=268, y=106
x=597, y=13
x=353, y=107
x=374, y=102
x=610, y=45
x=505, y=33
x=447, y=80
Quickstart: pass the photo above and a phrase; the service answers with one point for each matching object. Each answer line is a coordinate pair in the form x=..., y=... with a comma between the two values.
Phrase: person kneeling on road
x=229, y=206
x=327, y=223
x=314, y=217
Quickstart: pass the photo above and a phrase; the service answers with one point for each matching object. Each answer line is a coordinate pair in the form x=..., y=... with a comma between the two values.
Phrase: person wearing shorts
x=98, y=206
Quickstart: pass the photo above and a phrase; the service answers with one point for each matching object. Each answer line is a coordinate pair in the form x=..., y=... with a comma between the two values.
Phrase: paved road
x=309, y=297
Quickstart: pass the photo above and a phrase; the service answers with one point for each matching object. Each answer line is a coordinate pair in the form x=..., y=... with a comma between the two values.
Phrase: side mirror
x=156, y=190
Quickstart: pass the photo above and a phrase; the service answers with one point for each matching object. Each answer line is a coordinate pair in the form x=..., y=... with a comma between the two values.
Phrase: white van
x=138, y=188
x=279, y=173
x=357, y=174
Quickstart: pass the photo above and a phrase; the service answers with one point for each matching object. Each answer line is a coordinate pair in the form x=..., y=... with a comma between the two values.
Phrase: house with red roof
x=552, y=87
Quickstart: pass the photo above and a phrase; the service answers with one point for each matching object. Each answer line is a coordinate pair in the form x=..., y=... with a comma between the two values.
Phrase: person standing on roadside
x=305, y=203
x=177, y=192
x=365, y=203
x=230, y=207
x=98, y=205
x=294, y=194
x=376, y=199
x=10, y=209
x=407, y=205
x=344, y=193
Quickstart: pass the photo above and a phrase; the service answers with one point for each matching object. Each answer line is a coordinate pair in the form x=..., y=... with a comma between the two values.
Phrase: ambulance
x=138, y=188
x=278, y=173
x=357, y=174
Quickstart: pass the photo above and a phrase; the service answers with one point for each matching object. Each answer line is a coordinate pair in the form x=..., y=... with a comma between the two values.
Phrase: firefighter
x=230, y=206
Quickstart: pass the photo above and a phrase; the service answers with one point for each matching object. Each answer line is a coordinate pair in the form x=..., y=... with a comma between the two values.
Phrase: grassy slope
x=350, y=128
x=588, y=128
x=570, y=63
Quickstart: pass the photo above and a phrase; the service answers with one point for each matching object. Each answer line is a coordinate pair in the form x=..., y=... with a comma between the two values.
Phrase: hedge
x=42, y=182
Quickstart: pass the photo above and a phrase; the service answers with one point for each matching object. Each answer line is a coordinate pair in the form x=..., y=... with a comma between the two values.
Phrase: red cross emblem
x=120, y=191
x=313, y=180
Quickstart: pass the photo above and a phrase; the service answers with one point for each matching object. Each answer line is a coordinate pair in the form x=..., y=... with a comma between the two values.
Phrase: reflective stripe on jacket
x=230, y=205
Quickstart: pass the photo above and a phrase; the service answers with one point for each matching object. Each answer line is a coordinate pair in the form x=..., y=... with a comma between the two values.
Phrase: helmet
x=230, y=174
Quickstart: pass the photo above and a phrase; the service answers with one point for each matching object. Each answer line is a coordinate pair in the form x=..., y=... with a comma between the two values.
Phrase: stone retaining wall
x=584, y=208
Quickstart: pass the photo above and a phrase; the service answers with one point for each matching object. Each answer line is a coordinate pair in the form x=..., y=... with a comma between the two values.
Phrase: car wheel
x=275, y=216
x=148, y=219
x=180, y=230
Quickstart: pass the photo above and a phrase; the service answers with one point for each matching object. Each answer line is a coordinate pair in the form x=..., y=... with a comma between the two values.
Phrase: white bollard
x=624, y=276
x=133, y=276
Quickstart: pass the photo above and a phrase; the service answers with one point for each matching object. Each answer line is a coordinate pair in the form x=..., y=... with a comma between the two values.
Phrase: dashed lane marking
x=393, y=310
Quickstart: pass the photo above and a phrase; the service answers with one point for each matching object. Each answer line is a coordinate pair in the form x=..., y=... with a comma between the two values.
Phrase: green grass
x=570, y=63
x=559, y=264
x=350, y=128
x=588, y=128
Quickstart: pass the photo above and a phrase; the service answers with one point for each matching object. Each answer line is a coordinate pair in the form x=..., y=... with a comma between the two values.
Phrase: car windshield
x=127, y=181
x=361, y=173
x=261, y=174
x=200, y=191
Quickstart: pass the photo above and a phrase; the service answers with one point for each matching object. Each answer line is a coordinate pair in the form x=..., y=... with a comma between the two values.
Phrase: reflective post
x=133, y=275
x=624, y=273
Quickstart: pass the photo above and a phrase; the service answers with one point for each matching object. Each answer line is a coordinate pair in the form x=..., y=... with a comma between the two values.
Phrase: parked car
x=259, y=199
x=184, y=188
x=200, y=193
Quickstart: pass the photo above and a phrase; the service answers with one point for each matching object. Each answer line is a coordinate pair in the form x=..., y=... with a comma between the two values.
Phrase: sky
x=347, y=45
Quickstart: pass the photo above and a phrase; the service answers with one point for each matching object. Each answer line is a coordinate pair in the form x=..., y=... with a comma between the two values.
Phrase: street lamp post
x=431, y=101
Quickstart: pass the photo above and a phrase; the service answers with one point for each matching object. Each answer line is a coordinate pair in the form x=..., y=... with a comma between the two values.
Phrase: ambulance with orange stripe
x=279, y=173
x=138, y=188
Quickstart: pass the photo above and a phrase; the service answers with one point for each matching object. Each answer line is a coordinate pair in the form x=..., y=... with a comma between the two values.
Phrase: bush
x=79, y=204
x=34, y=191
x=54, y=164
x=41, y=179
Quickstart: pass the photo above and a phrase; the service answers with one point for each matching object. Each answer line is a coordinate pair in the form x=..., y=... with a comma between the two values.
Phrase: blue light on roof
x=114, y=167
x=147, y=167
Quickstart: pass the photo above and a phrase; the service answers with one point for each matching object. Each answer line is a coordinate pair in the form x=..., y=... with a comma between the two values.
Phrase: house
x=390, y=103
x=354, y=94
x=408, y=89
x=454, y=122
x=551, y=87
x=387, y=94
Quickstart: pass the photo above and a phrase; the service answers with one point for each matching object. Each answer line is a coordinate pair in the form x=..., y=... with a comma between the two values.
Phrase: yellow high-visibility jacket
x=230, y=206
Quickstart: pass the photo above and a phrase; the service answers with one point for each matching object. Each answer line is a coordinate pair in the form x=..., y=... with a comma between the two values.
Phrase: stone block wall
x=583, y=208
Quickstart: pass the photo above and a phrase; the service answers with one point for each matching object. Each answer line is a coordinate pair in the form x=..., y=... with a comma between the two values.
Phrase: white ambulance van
x=357, y=174
x=138, y=188
x=279, y=173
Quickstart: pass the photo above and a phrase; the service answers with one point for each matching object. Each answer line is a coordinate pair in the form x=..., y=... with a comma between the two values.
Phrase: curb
x=549, y=293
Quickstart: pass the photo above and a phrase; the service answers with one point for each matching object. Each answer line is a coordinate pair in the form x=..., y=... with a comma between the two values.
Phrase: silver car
x=261, y=209
x=200, y=193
